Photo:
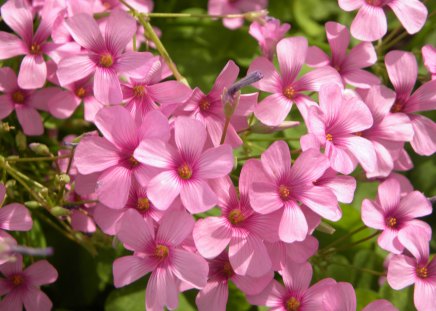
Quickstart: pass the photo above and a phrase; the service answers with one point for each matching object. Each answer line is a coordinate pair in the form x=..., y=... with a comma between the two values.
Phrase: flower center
x=236, y=216
x=392, y=222
x=329, y=137
x=143, y=204
x=422, y=272
x=289, y=92
x=204, y=104
x=228, y=270
x=358, y=134
x=133, y=161
x=161, y=251
x=397, y=107
x=106, y=60
x=292, y=304
x=80, y=92
x=35, y=49
x=139, y=90
x=18, y=97
x=184, y=171
x=17, y=279
x=284, y=192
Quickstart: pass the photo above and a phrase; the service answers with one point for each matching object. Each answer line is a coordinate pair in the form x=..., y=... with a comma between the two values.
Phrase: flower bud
x=260, y=128
x=32, y=204
x=39, y=149
x=59, y=211
x=21, y=141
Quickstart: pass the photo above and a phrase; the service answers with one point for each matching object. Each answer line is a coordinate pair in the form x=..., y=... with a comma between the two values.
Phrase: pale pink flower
x=103, y=56
x=403, y=70
x=186, y=168
x=222, y=7
x=392, y=213
x=239, y=227
x=213, y=297
x=113, y=155
x=283, y=187
x=162, y=254
x=209, y=109
x=287, y=88
x=404, y=270
x=389, y=131
x=13, y=216
x=143, y=6
x=21, y=287
x=296, y=294
x=370, y=23
x=268, y=33
x=33, y=69
x=336, y=126
x=429, y=56
x=349, y=65
x=343, y=187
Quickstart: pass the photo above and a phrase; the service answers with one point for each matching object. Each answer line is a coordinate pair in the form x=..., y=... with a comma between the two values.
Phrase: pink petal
x=340, y=159
x=95, y=154
x=309, y=166
x=424, y=140
x=15, y=217
x=354, y=116
x=401, y=272
x=120, y=28
x=163, y=189
x=132, y=63
x=313, y=296
x=340, y=297
x=175, y=227
x=63, y=104
x=82, y=222
x=33, y=72
x=291, y=53
x=135, y=232
x=30, y=120
x=264, y=226
x=117, y=177
x=264, y=198
x=403, y=71
x=361, y=56
x=85, y=31
x=92, y=107
x=190, y=267
x=411, y=13
x=394, y=127
x=36, y=300
x=317, y=57
x=339, y=39
x=322, y=201
x=370, y=23
x=248, y=256
x=343, y=187
x=107, y=218
x=40, y=98
x=6, y=106
x=313, y=80
x=161, y=290
x=271, y=81
x=273, y=109
x=272, y=296
x=226, y=78
x=414, y=205
x=360, y=78
x=11, y=46
x=276, y=161
x=293, y=225
x=429, y=56
x=350, y=5
x=252, y=286
x=388, y=240
x=12, y=302
x=128, y=269
x=107, y=88
x=424, y=99
x=18, y=16
x=74, y=68
x=251, y=172
x=215, y=162
x=330, y=102
x=41, y=273
x=380, y=305
x=169, y=92
x=8, y=80
x=190, y=137
x=372, y=216
x=389, y=195
x=363, y=150
x=211, y=236
x=297, y=277
x=424, y=294
x=416, y=240
x=197, y=196
x=213, y=297
x=2, y=192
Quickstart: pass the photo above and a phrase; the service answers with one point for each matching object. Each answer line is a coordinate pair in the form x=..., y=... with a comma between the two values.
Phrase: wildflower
x=429, y=55
x=222, y=7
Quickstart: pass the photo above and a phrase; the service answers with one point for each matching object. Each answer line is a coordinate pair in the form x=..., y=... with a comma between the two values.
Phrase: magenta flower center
x=236, y=216
x=329, y=137
x=139, y=90
x=284, y=192
x=184, y=171
x=422, y=272
x=17, y=279
x=289, y=92
x=106, y=60
x=133, y=161
x=397, y=107
x=35, y=49
x=161, y=251
x=292, y=304
x=204, y=104
x=228, y=270
x=80, y=92
x=18, y=97
x=143, y=204
x=374, y=2
x=391, y=222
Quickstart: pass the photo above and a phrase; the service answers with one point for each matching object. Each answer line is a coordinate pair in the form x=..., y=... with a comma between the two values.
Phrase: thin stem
x=36, y=159
x=197, y=15
x=395, y=41
x=353, y=244
x=357, y=230
x=248, y=157
x=79, y=202
x=267, y=139
x=378, y=273
x=226, y=126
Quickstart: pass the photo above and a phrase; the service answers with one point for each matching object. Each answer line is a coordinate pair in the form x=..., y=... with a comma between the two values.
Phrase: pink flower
x=287, y=89
x=186, y=168
x=336, y=125
x=296, y=294
x=429, y=55
x=33, y=70
x=343, y=187
x=222, y=7
x=103, y=54
x=370, y=23
x=284, y=187
x=213, y=297
x=393, y=214
x=268, y=33
x=113, y=155
x=162, y=254
x=389, y=131
x=22, y=287
x=209, y=109
x=404, y=270
x=349, y=66
x=13, y=216
x=403, y=71
x=239, y=227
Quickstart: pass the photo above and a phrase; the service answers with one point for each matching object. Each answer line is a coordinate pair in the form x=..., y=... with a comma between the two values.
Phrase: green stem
x=36, y=159
x=343, y=238
x=377, y=273
x=197, y=15
x=249, y=157
x=395, y=41
x=79, y=202
x=352, y=244
x=267, y=139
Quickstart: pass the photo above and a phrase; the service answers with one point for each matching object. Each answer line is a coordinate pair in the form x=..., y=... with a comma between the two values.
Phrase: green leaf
x=365, y=296
x=131, y=297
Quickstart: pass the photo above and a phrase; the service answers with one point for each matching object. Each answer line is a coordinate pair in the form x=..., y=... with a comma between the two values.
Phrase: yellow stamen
x=143, y=204
x=284, y=192
x=106, y=60
x=228, y=270
x=184, y=171
x=139, y=90
x=204, y=104
x=161, y=252
x=16, y=279
x=329, y=137
x=236, y=216
x=289, y=92
x=18, y=97
x=422, y=272
x=81, y=92
x=292, y=304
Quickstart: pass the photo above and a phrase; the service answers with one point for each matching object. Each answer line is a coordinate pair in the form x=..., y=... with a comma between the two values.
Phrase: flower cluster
x=160, y=173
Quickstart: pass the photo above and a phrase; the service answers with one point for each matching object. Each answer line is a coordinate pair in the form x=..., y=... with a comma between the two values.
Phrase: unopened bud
x=260, y=128
x=39, y=149
x=59, y=211
x=325, y=228
x=32, y=204
x=238, y=85
x=62, y=179
x=21, y=141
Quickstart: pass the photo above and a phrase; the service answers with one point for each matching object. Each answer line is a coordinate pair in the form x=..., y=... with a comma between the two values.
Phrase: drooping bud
x=39, y=149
